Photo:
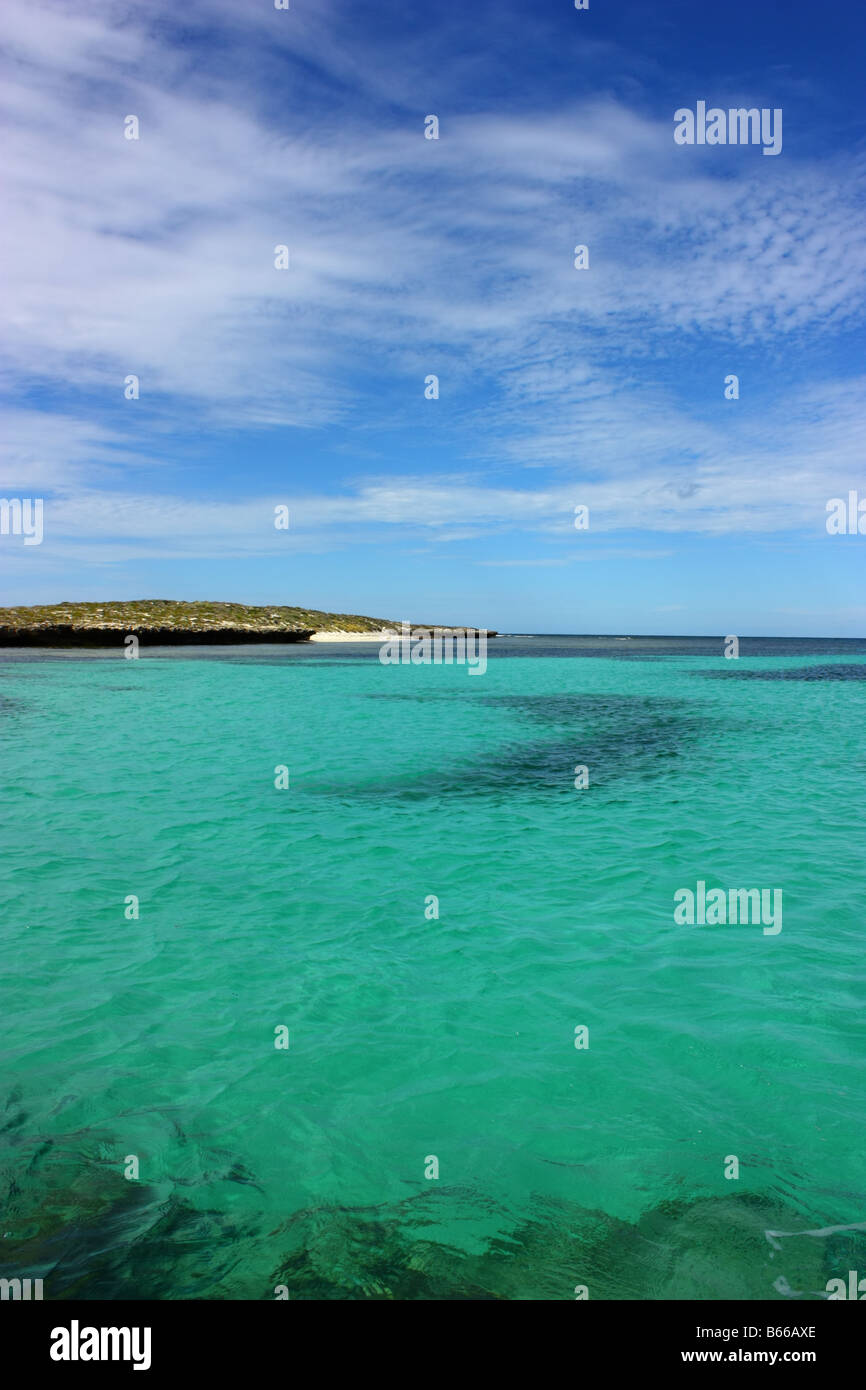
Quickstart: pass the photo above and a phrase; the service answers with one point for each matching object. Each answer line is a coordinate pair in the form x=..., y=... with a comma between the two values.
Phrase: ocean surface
x=432, y=1130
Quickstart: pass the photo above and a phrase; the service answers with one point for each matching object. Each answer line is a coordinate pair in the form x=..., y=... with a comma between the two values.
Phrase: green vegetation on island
x=175, y=620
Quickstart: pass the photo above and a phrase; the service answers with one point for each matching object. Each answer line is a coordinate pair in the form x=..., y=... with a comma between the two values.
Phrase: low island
x=169, y=622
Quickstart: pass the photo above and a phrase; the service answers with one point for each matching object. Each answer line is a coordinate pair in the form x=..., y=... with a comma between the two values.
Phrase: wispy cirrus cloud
x=155, y=257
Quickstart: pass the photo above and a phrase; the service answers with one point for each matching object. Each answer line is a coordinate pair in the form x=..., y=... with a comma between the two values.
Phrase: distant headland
x=175, y=622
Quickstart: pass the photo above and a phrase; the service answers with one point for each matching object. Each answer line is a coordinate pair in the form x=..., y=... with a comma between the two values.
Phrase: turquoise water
x=412, y=1036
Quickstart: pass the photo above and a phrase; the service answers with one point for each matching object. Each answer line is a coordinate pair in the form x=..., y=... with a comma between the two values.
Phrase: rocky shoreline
x=69, y=636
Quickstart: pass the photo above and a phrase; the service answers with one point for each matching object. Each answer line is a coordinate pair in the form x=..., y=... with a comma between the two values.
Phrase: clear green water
x=412, y=1037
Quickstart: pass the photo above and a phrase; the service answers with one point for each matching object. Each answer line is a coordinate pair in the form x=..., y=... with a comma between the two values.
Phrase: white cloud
x=156, y=257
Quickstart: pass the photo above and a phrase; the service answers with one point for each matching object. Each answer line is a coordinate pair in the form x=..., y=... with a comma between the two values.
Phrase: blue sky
x=411, y=257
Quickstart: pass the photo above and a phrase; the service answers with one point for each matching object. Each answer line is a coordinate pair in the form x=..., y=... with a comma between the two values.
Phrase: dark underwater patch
x=75, y=1222
x=707, y=1248
x=87, y=1232
x=615, y=736
x=835, y=671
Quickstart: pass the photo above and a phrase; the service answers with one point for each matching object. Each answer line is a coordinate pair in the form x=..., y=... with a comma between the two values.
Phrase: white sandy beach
x=381, y=636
